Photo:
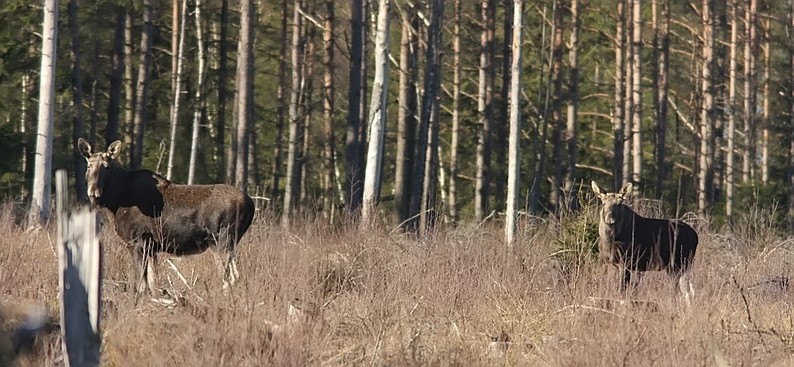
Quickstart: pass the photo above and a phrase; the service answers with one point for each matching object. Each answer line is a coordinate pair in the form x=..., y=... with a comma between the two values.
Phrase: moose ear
x=596, y=189
x=626, y=190
x=114, y=149
x=84, y=147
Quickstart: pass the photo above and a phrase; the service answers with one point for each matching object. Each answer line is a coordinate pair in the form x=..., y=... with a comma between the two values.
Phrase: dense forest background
x=692, y=102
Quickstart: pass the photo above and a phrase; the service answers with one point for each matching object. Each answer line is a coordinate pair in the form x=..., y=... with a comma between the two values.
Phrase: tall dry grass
x=455, y=297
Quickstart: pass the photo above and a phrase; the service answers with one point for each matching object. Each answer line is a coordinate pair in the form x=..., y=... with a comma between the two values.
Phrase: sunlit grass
x=455, y=297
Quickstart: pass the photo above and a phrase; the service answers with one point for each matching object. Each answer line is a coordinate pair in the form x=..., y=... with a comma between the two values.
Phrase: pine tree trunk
x=556, y=107
x=790, y=161
x=406, y=115
x=198, y=107
x=750, y=42
x=245, y=84
x=431, y=110
x=662, y=84
x=499, y=174
x=618, y=121
x=766, y=106
x=278, y=150
x=41, y=201
x=514, y=157
x=573, y=106
x=142, y=89
x=706, y=113
x=432, y=79
x=77, y=101
x=291, y=188
x=730, y=175
x=628, y=98
x=455, y=137
x=484, y=109
x=116, y=79
x=176, y=79
x=636, y=124
x=223, y=73
x=353, y=168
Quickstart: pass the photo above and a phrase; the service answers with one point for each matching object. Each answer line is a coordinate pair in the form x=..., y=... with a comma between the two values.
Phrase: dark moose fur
x=636, y=243
x=152, y=214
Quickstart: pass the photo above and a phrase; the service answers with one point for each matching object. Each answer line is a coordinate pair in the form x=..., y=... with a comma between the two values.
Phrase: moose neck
x=625, y=223
x=121, y=187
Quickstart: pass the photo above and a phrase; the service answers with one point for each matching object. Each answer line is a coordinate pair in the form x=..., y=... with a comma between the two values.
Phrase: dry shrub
x=454, y=297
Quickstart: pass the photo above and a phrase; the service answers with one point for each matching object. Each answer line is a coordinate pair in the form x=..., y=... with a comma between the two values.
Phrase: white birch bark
x=377, y=115
x=42, y=177
x=198, y=102
x=513, y=152
x=177, y=91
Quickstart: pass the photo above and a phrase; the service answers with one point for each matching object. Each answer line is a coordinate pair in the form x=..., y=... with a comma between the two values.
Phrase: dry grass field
x=455, y=297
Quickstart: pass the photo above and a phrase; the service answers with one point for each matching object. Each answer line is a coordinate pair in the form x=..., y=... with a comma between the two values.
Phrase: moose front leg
x=137, y=271
x=626, y=281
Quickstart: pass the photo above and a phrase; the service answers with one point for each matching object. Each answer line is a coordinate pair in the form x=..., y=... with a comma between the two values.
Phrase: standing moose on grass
x=635, y=243
x=152, y=215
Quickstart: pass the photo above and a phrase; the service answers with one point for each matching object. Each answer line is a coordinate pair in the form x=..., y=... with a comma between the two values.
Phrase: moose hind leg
x=685, y=286
x=233, y=273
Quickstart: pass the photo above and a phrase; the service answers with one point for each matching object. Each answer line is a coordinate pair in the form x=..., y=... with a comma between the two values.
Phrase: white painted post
x=80, y=280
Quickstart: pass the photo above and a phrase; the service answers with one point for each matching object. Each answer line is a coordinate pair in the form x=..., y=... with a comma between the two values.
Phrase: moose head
x=612, y=206
x=98, y=165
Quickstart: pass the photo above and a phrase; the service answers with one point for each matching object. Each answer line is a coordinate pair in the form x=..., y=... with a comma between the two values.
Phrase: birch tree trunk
x=406, y=115
x=245, y=87
x=618, y=121
x=77, y=100
x=176, y=81
x=354, y=98
x=142, y=89
x=730, y=175
x=292, y=177
x=377, y=115
x=116, y=78
x=572, y=105
x=329, y=176
x=636, y=124
x=455, y=138
x=198, y=107
x=42, y=176
x=513, y=152
x=484, y=109
x=129, y=88
x=706, y=113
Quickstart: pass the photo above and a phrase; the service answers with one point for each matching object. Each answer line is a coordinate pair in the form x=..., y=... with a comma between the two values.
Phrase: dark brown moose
x=154, y=215
x=635, y=243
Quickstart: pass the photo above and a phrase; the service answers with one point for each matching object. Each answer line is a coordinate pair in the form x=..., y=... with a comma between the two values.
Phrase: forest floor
x=454, y=297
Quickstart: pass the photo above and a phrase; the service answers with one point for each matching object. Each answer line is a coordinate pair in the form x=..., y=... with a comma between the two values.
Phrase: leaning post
x=79, y=279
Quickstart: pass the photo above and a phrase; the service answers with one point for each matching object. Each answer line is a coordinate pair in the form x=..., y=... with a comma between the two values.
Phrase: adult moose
x=154, y=215
x=635, y=243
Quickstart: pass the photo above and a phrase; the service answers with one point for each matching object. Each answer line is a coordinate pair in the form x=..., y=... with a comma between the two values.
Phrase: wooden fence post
x=80, y=279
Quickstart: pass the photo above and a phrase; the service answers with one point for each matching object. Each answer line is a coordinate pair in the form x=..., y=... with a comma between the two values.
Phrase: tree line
x=403, y=111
